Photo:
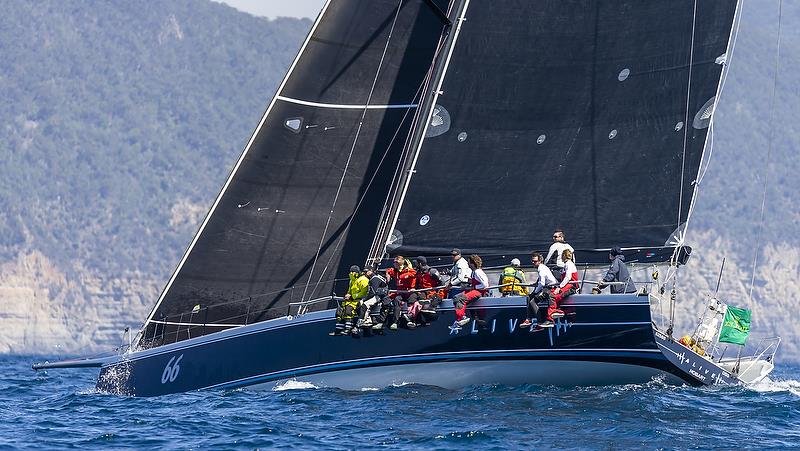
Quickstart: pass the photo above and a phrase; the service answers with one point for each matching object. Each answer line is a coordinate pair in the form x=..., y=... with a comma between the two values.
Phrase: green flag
x=735, y=326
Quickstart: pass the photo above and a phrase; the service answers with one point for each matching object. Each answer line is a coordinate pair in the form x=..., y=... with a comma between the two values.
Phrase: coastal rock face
x=775, y=289
x=45, y=311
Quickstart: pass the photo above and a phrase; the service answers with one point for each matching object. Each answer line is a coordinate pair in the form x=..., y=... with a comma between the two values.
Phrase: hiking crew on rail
x=408, y=294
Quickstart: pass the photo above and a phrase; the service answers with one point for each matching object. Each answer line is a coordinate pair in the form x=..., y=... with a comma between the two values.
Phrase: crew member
x=404, y=278
x=512, y=280
x=541, y=292
x=618, y=272
x=377, y=290
x=348, y=310
x=480, y=287
x=553, y=259
x=567, y=287
x=459, y=274
x=428, y=279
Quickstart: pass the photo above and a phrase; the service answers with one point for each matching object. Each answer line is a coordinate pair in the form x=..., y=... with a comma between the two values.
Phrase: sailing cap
x=616, y=251
x=372, y=268
x=515, y=262
x=455, y=251
x=422, y=260
x=355, y=268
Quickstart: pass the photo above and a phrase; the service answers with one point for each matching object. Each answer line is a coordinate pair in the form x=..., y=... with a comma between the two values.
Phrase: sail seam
x=342, y=106
x=235, y=168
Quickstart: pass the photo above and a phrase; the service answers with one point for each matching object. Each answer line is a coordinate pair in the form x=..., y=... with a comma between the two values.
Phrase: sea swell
x=59, y=409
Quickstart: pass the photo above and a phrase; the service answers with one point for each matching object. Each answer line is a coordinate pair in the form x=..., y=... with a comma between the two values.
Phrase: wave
x=293, y=384
x=768, y=385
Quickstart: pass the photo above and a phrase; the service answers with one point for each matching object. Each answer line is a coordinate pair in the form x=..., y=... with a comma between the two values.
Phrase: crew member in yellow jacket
x=348, y=311
x=512, y=280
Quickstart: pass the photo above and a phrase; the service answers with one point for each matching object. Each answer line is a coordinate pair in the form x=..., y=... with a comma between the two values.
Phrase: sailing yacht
x=409, y=127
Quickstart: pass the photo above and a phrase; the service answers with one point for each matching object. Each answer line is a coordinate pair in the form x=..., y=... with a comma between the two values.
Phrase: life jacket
x=428, y=277
x=475, y=282
x=358, y=287
x=377, y=286
x=405, y=280
x=573, y=280
x=513, y=276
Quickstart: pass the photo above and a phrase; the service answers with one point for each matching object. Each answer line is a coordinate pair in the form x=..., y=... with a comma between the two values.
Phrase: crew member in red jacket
x=427, y=298
x=403, y=278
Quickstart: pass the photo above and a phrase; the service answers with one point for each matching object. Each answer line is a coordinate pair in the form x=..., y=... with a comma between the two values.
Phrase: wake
x=293, y=384
x=768, y=385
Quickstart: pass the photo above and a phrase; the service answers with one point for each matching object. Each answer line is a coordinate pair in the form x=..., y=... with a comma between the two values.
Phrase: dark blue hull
x=604, y=339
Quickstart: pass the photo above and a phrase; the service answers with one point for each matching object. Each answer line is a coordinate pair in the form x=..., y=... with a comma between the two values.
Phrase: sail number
x=172, y=370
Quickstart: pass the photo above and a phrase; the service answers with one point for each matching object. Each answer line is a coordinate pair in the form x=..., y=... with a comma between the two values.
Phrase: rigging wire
x=363, y=196
x=417, y=99
x=725, y=71
x=353, y=147
x=686, y=125
x=768, y=161
x=686, y=120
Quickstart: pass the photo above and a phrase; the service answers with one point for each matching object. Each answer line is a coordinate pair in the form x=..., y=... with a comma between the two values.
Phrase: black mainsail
x=590, y=116
x=301, y=204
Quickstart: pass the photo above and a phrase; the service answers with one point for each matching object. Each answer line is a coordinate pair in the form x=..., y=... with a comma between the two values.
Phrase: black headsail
x=303, y=201
x=590, y=116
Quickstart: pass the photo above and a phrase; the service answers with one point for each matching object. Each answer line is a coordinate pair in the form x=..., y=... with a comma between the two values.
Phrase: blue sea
x=60, y=409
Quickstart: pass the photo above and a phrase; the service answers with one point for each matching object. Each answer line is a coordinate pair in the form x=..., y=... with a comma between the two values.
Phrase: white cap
x=515, y=262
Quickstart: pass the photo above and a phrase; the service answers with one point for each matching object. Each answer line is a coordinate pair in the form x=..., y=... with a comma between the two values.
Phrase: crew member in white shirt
x=480, y=287
x=459, y=274
x=553, y=259
x=540, y=292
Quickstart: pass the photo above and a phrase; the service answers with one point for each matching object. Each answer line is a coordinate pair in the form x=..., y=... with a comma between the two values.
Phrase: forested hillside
x=120, y=121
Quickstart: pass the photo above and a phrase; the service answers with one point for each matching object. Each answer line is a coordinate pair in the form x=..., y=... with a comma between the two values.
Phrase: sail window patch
x=541, y=139
x=424, y=220
x=440, y=122
x=395, y=240
x=294, y=124
x=612, y=134
x=703, y=117
x=679, y=126
x=462, y=137
x=623, y=74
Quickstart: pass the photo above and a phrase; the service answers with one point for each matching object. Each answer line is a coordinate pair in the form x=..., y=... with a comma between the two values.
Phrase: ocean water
x=61, y=409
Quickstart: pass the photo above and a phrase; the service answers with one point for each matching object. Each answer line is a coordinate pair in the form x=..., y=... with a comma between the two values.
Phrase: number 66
x=172, y=370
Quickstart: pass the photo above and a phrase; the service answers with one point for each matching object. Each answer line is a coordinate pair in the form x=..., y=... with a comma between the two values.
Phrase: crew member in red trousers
x=567, y=287
x=480, y=284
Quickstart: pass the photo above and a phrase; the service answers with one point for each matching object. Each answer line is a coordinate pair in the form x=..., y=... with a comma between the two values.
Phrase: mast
x=457, y=11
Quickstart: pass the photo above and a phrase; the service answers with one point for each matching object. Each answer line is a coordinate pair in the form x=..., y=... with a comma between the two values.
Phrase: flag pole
x=738, y=360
